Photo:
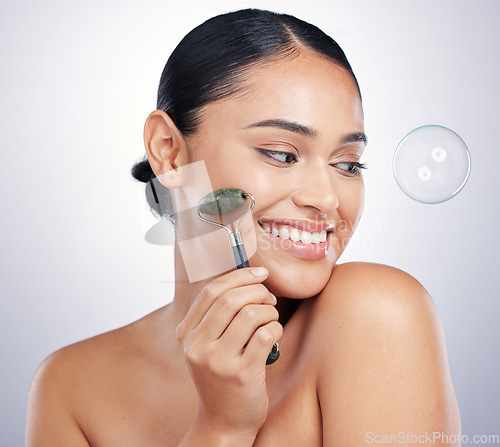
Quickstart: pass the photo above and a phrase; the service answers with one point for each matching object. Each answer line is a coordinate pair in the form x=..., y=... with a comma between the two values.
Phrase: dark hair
x=211, y=60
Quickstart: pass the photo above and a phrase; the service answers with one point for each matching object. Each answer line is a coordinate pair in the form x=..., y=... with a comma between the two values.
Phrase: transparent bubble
x=431, y=164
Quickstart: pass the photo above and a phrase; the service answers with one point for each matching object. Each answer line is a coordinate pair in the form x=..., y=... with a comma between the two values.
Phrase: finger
x=261, y=343
x=227, y=306
x=245, y=323
x=213, y=290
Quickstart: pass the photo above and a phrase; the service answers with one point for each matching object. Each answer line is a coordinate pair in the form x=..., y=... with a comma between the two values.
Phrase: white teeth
x=316, y=238
x=295, y=235
x=305, y=237
x=285, y=232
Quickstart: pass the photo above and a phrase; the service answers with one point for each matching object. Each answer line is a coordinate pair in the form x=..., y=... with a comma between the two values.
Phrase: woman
x=269, y=104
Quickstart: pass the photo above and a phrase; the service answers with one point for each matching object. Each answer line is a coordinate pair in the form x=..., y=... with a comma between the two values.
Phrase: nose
x=315, y=189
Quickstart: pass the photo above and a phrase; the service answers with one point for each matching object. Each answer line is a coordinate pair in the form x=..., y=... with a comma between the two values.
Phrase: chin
x=300, y=284
x=292, y=277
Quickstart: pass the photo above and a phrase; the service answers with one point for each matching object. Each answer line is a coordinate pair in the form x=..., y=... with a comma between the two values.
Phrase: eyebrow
x=355, y=137
x=306, y=131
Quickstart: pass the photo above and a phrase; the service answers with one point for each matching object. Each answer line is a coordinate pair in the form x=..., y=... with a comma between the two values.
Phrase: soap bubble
x=431, y=164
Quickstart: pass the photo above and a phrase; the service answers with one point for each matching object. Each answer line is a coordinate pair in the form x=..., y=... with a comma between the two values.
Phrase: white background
x=77, y=82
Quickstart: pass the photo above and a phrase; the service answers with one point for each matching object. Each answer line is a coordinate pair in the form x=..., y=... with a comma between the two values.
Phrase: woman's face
x=292, y=141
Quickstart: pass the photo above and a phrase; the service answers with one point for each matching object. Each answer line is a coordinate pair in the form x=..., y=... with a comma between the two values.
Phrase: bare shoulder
x=383, y=366
x=375, y=291
x=376, y=278
x=376, y=306
x=72, y=363
x=66, y=384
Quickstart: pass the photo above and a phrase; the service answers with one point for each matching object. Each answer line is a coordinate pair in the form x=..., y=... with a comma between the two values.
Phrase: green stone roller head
x=224, y=201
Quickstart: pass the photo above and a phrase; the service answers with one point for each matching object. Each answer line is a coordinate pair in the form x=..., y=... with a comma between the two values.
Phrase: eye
x=285, y=158
x=351, y=168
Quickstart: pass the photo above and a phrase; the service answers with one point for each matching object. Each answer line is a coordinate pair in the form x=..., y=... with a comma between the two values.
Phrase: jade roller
x=224, y=201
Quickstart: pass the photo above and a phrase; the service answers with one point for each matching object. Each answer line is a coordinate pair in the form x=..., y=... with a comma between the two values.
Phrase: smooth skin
x=362, y=349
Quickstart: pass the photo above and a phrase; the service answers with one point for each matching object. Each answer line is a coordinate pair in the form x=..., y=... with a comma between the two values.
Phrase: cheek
x=228, y=167
x=261, y=182
x=351, y=203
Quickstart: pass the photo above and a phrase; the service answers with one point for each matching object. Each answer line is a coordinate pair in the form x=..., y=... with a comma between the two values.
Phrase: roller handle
x=240, y=255
x=241, y=261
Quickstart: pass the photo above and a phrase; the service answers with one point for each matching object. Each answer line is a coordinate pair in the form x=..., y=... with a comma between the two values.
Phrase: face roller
x=224, y=201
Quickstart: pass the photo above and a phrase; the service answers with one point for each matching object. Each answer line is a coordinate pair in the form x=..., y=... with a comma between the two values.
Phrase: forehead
x=307, y=89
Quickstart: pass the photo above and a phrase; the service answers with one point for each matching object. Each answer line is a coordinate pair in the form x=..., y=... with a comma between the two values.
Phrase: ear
x=165, y=147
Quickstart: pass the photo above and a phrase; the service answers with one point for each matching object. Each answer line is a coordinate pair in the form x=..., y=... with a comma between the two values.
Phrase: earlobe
x=170, y=179
x=165, y=148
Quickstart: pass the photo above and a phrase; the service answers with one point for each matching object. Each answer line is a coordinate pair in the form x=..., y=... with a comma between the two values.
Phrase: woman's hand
x=226, y=336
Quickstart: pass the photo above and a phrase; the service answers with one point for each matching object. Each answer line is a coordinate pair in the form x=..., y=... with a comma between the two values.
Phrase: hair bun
x=142, y=171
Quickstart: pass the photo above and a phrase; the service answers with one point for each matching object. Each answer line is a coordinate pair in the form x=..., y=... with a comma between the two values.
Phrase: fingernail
x=259, y=271
x=274, y=298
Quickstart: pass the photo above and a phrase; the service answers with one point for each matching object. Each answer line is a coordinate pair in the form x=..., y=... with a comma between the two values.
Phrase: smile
x=294, y=234
x=299, y=242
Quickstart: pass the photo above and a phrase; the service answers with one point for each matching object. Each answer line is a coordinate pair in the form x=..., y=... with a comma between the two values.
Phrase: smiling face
x=294, y=141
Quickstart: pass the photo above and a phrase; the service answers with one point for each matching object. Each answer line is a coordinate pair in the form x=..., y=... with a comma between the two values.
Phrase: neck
x=185, y=291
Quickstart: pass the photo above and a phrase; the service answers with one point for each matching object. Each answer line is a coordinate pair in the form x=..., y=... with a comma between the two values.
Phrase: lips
x=313, y=249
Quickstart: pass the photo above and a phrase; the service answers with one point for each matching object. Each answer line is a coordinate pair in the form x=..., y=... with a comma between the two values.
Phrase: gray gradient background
x=78, y=80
